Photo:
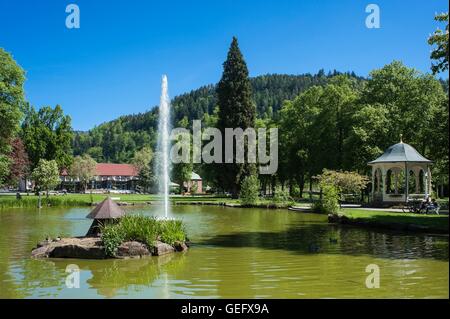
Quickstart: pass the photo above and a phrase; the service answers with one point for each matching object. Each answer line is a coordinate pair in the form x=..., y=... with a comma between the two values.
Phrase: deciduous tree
x=439, y=39
x=46, y=175
x=12, y=100
x=84, y=169
x=47, y=134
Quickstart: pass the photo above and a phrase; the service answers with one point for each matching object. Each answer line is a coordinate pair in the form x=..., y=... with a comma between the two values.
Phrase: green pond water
x=236, y=253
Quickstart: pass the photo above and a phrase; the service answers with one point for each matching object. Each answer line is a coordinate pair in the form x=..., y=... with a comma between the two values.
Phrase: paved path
x=351, y=206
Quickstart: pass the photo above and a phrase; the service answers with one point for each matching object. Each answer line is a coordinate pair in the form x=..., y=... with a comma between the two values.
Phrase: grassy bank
x=144, y=229
x=32, y=201
x=10, y=201
x=394, y=220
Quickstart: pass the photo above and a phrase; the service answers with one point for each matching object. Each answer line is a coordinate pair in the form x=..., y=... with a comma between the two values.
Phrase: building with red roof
x=108, y=176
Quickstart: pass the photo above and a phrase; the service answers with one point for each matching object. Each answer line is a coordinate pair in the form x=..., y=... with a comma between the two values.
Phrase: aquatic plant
x=143, y=229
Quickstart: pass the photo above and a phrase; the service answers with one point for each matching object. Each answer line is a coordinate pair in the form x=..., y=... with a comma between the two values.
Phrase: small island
x=115, y=235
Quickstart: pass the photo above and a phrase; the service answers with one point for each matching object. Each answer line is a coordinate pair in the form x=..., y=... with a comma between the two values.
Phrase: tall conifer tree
x=236, y=110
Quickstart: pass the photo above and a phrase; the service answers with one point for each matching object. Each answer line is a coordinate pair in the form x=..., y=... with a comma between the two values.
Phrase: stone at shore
x=76, y=247
x=132, y=249
x=161, y=248
x=180, y=246
x=92, y=248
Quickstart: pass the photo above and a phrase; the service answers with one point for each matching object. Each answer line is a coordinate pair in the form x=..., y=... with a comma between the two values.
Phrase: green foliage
x=335, y=183
x=143, y=229
x=11, y=102
x=112, y=237
x=344, y=182
x=236, y=110
x=12, y=99
x=47, y=134
x=46, y=175
x=356, y=123
x=117, y=141
x=440, y=39
x=383, y=219
x=83, y=168
x=315, y=123
x=329, y=204
x=171, y=231
x=181, y=172
x=4, y=168
x=281, y=196
x=249, y=191
x=142, y=158
x=53, y=201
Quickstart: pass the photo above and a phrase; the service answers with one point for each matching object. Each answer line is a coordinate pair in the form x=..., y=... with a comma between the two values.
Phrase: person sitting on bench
x=432, y=207
x=424, y=205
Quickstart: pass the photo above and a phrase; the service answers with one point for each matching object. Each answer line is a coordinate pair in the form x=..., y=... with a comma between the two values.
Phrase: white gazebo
x=400, y=173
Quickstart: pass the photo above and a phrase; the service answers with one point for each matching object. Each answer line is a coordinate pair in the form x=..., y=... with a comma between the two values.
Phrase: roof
x=195, y=177
x=107, y=209
x=401, y=152
x=110, y=169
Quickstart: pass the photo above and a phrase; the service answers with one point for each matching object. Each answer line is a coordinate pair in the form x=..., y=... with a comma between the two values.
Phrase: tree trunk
x=273, y=184
x=39, y=200
x=301, y=184
x=290, y=187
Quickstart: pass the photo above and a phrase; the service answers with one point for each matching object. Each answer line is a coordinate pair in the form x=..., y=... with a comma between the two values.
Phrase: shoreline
x=370, y=222
x=356, y=217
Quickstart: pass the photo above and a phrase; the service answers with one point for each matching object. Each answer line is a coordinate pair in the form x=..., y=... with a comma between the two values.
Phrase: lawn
x=86, y=199
x=382, y=218
x=10, y=201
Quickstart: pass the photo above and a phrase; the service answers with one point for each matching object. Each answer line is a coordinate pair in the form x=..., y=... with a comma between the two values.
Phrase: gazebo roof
x=107, y=209
x=400, y=152
x=195, y=177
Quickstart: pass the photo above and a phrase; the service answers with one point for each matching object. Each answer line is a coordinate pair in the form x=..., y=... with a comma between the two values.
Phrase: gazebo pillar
x=373, y=182
x=406, y=182
x=428, y=189
x=383, y=183
x=417, y=179
x=395, y=182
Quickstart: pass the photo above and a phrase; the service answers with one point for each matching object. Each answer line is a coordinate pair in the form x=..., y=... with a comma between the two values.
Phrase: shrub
x=345, y=182
x=249, y=191
x=143, y=229
x=112, y=237
x=329, y=204
x=281, y=196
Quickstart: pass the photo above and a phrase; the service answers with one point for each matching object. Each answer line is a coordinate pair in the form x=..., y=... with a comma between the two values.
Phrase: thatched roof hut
x=105, y=212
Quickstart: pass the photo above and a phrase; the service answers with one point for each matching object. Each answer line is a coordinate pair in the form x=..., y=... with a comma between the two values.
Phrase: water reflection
x=240, y=253
x=335, y=239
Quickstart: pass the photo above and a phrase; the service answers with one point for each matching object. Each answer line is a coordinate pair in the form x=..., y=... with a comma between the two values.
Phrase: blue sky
x=113, y=64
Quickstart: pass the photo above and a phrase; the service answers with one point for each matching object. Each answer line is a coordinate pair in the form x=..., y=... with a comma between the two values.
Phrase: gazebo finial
x=401, y=138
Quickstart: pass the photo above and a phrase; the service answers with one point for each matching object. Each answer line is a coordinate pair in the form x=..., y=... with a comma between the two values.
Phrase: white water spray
x=163, y=143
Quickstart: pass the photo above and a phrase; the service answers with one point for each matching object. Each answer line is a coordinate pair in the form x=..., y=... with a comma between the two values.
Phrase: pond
x=236, y=253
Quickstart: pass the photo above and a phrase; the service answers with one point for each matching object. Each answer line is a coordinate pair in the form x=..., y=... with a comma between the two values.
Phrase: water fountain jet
x=163, y=143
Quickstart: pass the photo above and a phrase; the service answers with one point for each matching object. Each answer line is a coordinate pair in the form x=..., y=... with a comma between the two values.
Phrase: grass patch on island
x=146, y=230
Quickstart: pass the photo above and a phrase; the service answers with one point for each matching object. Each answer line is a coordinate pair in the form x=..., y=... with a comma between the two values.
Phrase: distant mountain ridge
x=117, y=140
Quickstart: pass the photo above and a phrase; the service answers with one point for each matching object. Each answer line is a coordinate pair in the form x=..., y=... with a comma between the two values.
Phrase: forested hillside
x=116, y=141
